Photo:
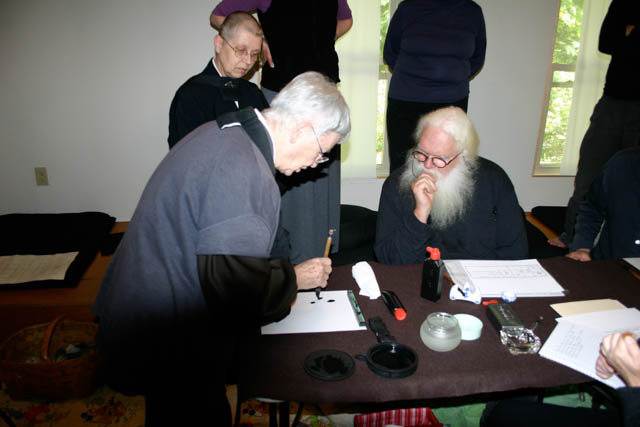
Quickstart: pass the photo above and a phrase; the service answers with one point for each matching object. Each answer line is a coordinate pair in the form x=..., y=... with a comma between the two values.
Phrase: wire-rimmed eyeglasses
x=242, y=53
x=322, y=158
x=438, y=162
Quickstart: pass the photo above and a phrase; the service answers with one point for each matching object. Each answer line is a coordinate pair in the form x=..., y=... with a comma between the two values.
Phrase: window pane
x=555, y=131
x=382, y=107
x=383, y=73
x=567, y=43
x=563, y=77
x=565, y=55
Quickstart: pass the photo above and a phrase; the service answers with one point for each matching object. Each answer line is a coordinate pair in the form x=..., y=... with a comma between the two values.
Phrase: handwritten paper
x=525, y=278
x=575, y=341
x=308, y=314
x=29, y=268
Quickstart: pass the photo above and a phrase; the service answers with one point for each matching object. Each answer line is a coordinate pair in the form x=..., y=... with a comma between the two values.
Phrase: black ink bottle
x=432, y=271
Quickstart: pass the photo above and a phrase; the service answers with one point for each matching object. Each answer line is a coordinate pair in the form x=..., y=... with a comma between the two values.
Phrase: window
x=387, y=7
x=574, y=86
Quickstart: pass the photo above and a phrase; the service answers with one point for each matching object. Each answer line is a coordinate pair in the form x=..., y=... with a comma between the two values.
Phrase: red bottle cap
x=434, y=253
x=400, y=314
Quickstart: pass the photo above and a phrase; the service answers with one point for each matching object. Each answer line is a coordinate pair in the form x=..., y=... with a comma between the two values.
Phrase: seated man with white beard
x=445, y=196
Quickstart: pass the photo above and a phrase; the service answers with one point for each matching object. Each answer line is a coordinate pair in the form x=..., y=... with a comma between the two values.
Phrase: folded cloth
x=366, y=279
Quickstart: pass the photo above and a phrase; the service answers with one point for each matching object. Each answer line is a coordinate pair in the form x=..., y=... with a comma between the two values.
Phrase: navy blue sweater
x=612, y=208
x=433, y=48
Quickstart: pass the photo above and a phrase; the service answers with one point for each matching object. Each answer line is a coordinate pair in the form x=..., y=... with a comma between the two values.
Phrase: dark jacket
x=612, y=208
x=492, y=227
x=206, y=96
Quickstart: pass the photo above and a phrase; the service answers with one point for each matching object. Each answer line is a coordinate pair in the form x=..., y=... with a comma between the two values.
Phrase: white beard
x=453, y=193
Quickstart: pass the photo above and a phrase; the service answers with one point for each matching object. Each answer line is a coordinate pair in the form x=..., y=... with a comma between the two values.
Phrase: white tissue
x=366, y=279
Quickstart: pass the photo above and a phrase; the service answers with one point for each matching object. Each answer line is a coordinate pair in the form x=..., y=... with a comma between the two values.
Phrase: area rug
x=104, y=407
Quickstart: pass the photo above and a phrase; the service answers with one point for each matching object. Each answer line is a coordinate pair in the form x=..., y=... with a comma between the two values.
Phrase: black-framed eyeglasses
x=438, y=162
x=322, y=158
x=242, y=53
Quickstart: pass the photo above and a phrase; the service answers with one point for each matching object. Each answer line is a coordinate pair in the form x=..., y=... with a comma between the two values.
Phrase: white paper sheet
x=29, y=268
x=575, y=341
x=581, y=307
x=525, y=278
x=308, y=314
x=634, y=262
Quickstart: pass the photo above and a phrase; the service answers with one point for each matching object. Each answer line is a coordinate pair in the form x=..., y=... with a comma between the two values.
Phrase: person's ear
x=217, y=43
x=297, y=131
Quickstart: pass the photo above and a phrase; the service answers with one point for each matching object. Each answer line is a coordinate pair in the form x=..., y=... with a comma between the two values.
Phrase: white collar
x=264, y=123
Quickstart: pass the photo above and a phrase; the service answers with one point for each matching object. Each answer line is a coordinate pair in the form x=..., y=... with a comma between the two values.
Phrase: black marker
x=394, y=305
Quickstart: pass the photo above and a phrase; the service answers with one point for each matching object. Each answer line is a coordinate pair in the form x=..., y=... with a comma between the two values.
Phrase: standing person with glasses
x=448, y=197
x=220, y=87
x=300, y=36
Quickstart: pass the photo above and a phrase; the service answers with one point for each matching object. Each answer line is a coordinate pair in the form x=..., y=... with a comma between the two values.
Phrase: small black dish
x=329, y=365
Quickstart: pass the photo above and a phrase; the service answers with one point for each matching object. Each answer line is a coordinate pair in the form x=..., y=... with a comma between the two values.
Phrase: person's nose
x=247, y=60
x=429, y=163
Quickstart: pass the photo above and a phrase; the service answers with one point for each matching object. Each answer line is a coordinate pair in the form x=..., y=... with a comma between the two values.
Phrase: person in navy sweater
x=433, y=48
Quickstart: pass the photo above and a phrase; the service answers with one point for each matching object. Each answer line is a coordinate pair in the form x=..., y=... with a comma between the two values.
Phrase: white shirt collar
x=264, y=123
x=213, y=61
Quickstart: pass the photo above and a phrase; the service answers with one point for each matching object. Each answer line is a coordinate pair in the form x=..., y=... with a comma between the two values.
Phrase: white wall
x=86, y=87
x=507, y=96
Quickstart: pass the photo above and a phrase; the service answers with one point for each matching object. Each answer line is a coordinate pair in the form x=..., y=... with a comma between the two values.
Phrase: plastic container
x=470, y=326
x=440, y=332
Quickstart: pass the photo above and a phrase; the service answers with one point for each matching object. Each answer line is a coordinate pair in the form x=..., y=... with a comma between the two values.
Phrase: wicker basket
x=43, y=378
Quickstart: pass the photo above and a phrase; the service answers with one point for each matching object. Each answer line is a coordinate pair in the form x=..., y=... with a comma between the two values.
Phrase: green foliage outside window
x=566, y=48
x=382, y=82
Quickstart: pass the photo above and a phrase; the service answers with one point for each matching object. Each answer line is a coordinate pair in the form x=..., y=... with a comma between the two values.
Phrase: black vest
x=301, y=36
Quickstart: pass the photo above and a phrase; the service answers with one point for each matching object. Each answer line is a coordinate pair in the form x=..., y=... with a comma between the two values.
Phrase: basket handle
x=46, y=339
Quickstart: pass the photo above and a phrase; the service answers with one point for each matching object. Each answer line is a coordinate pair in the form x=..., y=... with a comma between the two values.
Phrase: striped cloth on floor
x=410, y=417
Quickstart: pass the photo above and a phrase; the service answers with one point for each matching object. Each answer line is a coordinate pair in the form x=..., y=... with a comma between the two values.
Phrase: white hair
x=456, y=123
x=312, y=97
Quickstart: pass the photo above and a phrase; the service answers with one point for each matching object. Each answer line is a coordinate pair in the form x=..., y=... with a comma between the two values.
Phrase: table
x=22, y=308
x=474, y=367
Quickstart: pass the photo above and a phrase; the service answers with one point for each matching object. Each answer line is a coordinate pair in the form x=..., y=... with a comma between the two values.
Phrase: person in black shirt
x=615, y=122
x=220, y=88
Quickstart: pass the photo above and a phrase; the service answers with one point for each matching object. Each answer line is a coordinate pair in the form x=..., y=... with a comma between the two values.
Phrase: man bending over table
x=191, y=282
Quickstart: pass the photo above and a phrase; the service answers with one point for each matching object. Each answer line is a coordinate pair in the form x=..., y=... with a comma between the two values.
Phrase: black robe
x=206, y=96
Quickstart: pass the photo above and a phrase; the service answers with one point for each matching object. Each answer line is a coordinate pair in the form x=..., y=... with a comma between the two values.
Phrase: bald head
x=237, y=21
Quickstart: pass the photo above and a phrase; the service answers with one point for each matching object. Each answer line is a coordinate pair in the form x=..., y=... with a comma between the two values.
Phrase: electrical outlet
x=42, y=178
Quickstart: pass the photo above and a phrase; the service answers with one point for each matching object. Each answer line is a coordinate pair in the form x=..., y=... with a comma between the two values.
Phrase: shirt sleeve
x=477, y=60
x=344, y=12
x=226, y=7
x=393, y=40
x=248, y=289
x=630, y=398
x=590, y=216
x=613, y=39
